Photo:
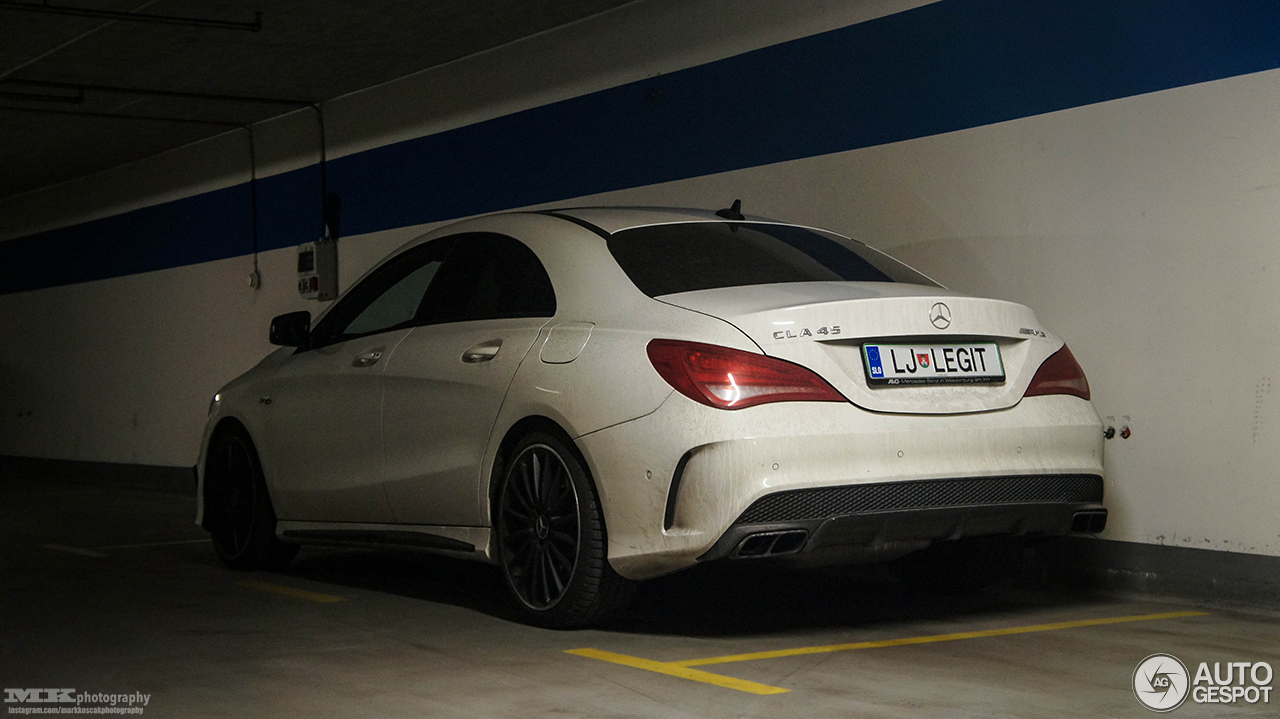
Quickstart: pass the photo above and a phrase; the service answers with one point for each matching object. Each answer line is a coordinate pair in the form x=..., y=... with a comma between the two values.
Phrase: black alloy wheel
x=238, y=512
x=233, y=497
x=551, y=538
x=540, y=527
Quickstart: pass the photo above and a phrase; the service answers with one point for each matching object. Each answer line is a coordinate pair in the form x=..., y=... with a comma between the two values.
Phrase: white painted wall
x=1145, y=231
x=1142, y=230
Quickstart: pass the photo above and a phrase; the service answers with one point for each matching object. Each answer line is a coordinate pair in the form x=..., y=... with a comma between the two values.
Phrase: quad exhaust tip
x=1090, y=522
x=771, y=544
x=790, y=541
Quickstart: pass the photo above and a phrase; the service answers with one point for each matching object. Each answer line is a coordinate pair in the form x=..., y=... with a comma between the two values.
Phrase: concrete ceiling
x=305, y=51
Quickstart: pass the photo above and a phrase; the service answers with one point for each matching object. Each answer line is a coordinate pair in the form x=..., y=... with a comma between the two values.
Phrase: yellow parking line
x=800, y=651
x=674, y=670
x=682, y=669
x=291, y=592
x=73, y=550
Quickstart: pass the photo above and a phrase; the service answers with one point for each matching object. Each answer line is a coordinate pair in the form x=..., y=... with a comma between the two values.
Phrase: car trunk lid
x=825, y=325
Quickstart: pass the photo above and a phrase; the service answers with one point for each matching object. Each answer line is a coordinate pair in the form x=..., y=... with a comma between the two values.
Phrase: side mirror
x=292, y=329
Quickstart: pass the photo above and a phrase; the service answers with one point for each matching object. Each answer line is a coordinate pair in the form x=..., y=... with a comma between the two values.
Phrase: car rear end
x=881, y=413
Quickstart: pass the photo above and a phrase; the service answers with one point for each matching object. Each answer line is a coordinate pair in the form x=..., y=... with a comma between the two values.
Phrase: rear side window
x=489, y=277
x=683, y=257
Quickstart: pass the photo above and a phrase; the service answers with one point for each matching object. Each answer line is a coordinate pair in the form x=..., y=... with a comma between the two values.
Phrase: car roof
x=615, y=219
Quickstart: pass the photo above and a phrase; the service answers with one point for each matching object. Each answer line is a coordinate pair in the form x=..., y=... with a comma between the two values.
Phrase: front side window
x=689, y=256
x=389, y=298
x=460, y=278
x=397, y=306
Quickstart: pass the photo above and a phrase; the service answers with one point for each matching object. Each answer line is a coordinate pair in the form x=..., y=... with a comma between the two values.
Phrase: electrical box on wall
x=318, y=270
x=318, y=261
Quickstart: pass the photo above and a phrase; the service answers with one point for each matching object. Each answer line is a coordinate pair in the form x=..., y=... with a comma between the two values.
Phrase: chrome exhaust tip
x=771, y=544
x=1090, y=522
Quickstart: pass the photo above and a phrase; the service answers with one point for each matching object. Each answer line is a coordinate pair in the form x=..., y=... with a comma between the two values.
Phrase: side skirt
x=463, y=542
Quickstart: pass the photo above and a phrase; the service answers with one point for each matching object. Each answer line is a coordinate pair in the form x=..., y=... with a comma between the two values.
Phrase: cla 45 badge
x=804, y=332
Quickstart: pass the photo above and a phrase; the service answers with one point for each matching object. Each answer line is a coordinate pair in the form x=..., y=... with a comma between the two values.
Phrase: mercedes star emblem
x=940, y=315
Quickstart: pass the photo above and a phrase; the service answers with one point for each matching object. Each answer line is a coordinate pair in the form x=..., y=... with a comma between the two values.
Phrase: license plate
x=902, y=364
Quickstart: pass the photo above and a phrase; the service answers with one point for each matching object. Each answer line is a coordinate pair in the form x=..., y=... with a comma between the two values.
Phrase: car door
x=447, y=379
x=326, y=415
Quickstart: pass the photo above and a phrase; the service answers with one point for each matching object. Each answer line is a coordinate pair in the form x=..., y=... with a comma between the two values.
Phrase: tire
x=551, y=538
x=238, y=512
x=965, y=565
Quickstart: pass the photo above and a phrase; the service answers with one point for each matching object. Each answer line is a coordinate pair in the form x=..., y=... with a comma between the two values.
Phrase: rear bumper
x=881, y=535
x=685, y=483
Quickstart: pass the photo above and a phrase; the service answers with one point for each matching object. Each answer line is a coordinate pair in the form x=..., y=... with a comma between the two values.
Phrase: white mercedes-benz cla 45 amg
x=592, y=397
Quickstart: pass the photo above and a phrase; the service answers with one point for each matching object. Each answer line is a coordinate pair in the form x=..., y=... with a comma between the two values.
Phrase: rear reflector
x=1060, y=374
x=732, y=379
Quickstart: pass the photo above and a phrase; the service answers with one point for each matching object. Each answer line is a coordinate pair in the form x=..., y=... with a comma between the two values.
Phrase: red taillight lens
x=732, y=379
x=1060, y=374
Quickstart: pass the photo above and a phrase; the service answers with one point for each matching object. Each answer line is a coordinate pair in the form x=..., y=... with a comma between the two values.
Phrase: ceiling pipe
x=81, y=87
x=329, y=201
x=77, y=99
x=255, y=277
x=118, y=116
x=46, y=9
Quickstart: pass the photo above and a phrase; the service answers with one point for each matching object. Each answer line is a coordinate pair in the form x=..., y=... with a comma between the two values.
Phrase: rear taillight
x=1060, y=374
x=732, y=379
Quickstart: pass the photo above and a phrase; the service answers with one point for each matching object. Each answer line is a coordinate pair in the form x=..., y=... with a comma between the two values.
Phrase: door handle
x=367, y=359
x=482, y=352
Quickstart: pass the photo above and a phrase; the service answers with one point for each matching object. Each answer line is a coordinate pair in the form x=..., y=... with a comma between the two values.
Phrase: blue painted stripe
x=947, y=66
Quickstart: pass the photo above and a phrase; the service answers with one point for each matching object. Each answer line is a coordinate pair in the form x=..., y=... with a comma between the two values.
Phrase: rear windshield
x=683, y=257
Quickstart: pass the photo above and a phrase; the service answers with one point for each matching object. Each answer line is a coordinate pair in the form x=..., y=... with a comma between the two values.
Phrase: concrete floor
x=113, y=591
